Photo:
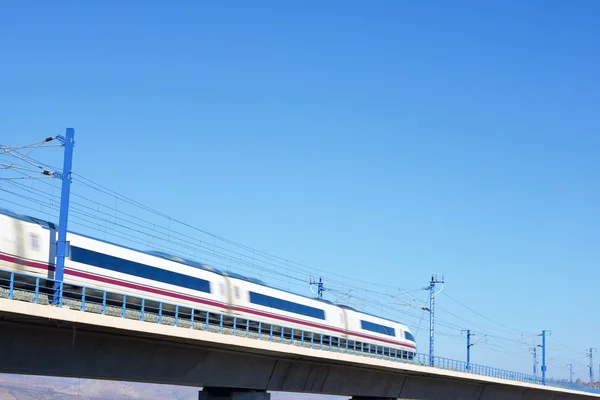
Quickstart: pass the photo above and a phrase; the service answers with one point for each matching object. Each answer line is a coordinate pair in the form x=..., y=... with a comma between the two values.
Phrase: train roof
x=371, y=315
x=27, y=218
x=196, y=264
x=235, y=275
x=182, y=260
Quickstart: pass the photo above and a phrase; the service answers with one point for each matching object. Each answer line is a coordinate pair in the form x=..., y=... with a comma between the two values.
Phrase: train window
x=222, y=287
x=35, y=242
x=409, y=336
x=237, y=292
x=101, y=260
x=370, y=326
x=285, y=305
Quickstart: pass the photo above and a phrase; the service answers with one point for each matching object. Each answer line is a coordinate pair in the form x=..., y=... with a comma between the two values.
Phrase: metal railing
x=39, y=290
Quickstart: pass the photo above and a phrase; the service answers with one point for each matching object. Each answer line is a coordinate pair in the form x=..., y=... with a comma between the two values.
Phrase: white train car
x=369, y=328
x=115, y=268
x=28, y=245
x=279, y=307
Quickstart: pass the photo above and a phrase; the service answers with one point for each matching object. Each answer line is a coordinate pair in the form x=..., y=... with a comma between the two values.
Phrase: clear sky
x=383, y=141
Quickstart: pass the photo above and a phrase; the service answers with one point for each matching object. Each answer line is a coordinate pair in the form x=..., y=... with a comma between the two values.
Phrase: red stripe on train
x=116, y=282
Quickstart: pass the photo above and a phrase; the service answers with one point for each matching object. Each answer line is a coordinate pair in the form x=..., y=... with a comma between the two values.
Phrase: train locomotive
x=28, y=245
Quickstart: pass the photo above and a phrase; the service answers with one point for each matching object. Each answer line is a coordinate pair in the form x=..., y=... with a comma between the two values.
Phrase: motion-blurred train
x=28, y=245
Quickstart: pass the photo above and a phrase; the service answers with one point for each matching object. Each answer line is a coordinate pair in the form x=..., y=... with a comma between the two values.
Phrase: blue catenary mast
x=468, y=348
x=590, y=355
x=544, y=357
x=61, y=250
x=534, y=352
x=570, y=373
x=320, y=288
x=432, y=295
x=469, y=345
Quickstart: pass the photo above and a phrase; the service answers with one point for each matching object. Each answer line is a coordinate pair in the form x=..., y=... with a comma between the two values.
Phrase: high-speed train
x=28, y=245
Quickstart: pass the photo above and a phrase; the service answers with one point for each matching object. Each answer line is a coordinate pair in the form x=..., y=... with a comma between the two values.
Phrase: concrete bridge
x=114, y=343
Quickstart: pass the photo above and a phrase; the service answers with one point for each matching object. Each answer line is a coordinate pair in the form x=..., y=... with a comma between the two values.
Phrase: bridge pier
x=221, y=393
x=371, y=398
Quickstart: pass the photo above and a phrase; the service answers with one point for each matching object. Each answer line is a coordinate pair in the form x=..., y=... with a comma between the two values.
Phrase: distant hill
x=25, y=387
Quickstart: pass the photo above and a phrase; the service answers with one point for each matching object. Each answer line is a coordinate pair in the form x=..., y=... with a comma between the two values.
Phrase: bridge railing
x=39, y=290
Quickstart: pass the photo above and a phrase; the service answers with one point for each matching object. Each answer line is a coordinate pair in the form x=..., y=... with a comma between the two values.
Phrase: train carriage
x=370, y=328
x=279, y=307
x=115, y=268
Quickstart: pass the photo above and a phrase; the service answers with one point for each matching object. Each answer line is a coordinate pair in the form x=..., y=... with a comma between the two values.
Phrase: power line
x=84, y=218
x=485, y=317
x=118, y=222
x=101, y=188
x=129, y=222
x=565, y=346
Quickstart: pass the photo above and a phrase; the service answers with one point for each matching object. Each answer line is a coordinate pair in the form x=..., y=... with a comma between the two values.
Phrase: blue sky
x=382, y=141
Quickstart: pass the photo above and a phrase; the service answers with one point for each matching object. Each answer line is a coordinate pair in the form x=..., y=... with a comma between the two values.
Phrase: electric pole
x=544, y=356
x=320, y=288
x=469, y=334
x=62, y=244
x=570, y=373
x=590, y=355
x=432, y=284
x=534, y=352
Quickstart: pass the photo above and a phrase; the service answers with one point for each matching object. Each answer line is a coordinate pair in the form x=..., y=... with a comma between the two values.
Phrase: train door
x=18, y=250
x=236, y=295
x=344, y=321
x=225, y=292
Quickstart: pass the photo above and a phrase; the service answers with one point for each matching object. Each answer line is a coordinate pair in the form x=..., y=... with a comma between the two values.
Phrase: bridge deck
x=87, y=306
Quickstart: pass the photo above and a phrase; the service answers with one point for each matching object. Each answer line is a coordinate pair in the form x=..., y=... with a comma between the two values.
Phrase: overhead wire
x=85, y=219
x=93, y=219
x=484, y=316
x=102, y=188
x=125, y=224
